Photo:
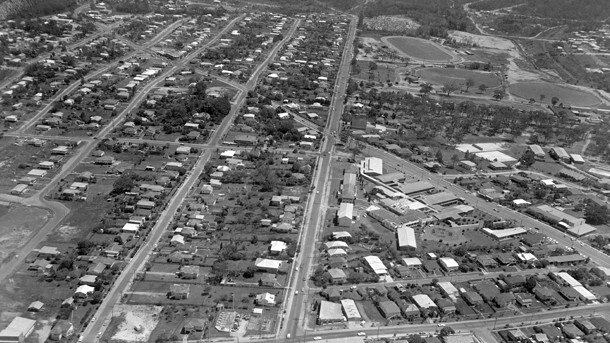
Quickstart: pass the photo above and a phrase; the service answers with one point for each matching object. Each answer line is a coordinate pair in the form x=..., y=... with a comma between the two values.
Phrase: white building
x=372, y=166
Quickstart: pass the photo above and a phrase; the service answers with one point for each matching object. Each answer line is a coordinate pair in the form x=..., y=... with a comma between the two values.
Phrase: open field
x=17, y=224
x=567, y=95
x=419, y=49
x=442, y=76
x=379, y=73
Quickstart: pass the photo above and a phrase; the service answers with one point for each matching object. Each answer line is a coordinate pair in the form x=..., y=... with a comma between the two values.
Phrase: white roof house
x=177, y=239
x=278, y=246
x=423, y=301
x=448, y=288
x=336, y=252
x=341, y=234
x=448, y=262
x=131, y=227
x=376, y=265
x=84, y=290
x=526, y=257
x=336, y=244
x=265, y=263
x=265, y=299
x=411, y=261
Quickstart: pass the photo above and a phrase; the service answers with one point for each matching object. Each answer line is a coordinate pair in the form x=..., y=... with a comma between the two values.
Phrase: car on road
x=317, y=338
x=99, y=334
x=441, y=325
x=297, y=268
x=361, y=333
x=296, y=292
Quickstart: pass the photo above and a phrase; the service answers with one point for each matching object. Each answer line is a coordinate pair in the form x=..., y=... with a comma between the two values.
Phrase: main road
x=296, y=304
x=123, y=281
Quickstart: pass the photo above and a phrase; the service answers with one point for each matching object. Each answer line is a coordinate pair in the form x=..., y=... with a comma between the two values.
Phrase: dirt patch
x=139, y=322
x=489, y=42
x=67, y=231
x=17, y=225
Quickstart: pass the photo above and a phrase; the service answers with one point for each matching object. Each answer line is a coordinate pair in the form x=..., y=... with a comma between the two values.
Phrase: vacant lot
x=567, y=95
x=17, y=224
x=419, y=49
x=138, y=322
x=442, y=76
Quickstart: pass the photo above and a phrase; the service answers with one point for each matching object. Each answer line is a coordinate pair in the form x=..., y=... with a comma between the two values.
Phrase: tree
x=439, y=156
x=596, y=214
x=455, y=159
x=449, y=88
x=446, y=331
x=554, y=100
x=498, y=94
x=124, y=183
x=542, y=97
x=528, y=158
x=483, y=87
x=426, y=88
x=530, y=283
x=469, y=83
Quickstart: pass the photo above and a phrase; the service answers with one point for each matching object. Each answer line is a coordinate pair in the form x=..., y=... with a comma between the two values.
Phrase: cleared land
x=567, y=95
x=458, y=76
x=17, y=224
x=419, y=49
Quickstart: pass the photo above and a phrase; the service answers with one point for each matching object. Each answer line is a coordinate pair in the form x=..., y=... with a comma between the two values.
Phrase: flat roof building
x=503, y=234
x=17, y=330
x=406, y=238
x=415, y=187
x=350, y=309
x=372, y=166
x=329, y=312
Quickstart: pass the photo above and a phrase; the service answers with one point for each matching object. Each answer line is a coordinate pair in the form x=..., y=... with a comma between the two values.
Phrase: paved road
x=124, y=280
x=316, y=206
x=462, y=326
x=409, y=168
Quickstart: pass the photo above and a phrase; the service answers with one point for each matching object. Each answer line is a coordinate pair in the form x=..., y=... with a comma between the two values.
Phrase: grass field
x=419, y=49
x=567, y=95
x=442, y=76
x=6, y=73
x=383, y=73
